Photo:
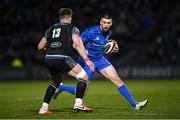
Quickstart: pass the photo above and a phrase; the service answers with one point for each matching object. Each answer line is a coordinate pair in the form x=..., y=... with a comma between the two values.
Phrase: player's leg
x=110, y=73
x=63, y=87
x=67, y=88
x=75, y=70
x=49, y=93
x=79, y=73
x=70, y=88
x=107, y=70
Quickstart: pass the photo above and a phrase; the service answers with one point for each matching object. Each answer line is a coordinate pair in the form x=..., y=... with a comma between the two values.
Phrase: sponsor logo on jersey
x=55, y=44
x=100, y=45
x=97, y=38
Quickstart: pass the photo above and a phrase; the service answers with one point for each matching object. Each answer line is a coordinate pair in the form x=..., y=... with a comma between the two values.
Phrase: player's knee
x=116, y=80
x=113, y=77
x=54, y=85
x=82, y=75
x=85, y=77
x=56, y=79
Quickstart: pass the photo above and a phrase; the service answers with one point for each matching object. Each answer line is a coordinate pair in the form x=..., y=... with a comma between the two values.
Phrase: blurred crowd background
x=148, y=31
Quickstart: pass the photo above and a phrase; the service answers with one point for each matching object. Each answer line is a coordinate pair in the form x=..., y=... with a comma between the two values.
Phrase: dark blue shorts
x=99, y=64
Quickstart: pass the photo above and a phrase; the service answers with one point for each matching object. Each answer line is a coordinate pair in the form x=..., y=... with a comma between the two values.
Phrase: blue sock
x=69, y=88
x=127, y=94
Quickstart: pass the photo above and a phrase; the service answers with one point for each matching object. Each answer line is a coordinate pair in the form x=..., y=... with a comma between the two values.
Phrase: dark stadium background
x=148, y=34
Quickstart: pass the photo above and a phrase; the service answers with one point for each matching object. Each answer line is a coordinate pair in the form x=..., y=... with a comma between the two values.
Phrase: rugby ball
x=109, y=46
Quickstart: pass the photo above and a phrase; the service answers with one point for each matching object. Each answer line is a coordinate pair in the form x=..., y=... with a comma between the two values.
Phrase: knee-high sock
x=127, y=94
x=81, y=88
x=69, y=88
x=49, y=93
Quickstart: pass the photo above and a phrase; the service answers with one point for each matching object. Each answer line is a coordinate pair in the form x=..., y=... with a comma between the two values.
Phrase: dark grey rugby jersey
x=59, y=39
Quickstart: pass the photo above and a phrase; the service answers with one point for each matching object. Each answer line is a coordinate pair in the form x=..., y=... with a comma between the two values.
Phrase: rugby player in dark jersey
x=61, y=41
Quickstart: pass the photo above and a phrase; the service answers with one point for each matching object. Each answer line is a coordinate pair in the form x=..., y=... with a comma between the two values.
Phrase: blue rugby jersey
x=94, y=41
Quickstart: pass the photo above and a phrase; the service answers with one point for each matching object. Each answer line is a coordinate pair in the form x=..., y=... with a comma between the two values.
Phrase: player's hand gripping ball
x=111, y=47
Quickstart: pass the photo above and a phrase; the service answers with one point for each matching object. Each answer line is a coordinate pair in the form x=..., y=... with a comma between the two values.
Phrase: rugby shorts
x=99, y=64
x=59, y=64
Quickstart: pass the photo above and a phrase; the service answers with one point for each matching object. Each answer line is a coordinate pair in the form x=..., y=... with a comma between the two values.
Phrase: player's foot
x=57, y=92
x=45, y=112
x=140, y=105
x=82, y=107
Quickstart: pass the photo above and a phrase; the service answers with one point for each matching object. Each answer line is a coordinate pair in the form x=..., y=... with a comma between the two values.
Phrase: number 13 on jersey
x=56, y=33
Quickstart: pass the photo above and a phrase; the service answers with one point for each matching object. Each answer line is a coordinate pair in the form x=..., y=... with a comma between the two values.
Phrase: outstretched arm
x=78, y=45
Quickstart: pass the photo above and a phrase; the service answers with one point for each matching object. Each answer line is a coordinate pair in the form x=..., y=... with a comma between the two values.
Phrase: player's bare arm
x=78, y=45
x=42, y=44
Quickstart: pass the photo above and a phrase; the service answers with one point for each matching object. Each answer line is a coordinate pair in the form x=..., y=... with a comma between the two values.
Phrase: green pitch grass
x=22, y=100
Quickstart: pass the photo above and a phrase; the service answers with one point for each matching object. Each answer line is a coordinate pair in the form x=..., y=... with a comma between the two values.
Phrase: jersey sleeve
x=47, y=34
x=85, y=36
x=75, y=30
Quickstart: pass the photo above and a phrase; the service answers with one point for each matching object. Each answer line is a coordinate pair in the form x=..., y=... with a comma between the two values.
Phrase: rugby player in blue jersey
x=94, y=39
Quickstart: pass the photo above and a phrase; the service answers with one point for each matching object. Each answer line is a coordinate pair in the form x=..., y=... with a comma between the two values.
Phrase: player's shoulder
x=75, y=30
x=93, y=29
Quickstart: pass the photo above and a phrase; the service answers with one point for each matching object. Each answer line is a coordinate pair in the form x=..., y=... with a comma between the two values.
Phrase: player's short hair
x=106, y=16
x=65, y=12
